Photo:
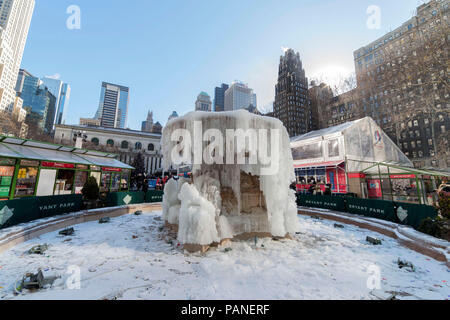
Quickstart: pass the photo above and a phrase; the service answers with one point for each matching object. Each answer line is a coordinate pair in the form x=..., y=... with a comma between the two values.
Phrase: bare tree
x=9, y=124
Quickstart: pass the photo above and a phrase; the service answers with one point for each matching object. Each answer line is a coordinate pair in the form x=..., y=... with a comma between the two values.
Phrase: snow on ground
x=130, y=258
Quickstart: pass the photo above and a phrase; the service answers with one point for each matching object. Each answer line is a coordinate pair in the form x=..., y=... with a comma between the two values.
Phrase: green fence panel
x=154, y=196
x=323, y=202
x=22, y=210
x=117, y=199
x=372, y=208
x=413, y=214
x=33, y=208
x=56, y=205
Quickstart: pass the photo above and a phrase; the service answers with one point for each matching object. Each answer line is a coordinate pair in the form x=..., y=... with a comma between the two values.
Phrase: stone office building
x=402, y=83
x=292, y=105
x=126, y=143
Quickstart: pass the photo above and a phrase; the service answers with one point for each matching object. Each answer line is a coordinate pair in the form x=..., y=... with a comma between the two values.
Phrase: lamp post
x=79, y=138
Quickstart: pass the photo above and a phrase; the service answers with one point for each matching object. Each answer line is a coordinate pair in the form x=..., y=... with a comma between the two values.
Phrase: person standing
x=145, y=185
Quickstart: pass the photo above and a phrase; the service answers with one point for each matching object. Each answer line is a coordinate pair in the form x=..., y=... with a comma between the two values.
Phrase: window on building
x=26, y=181
x=124, y=145
x=333, y=148
x=151, y=147
x=110, y=143
x=138, y=146
x=64, y=182
x=95, y=141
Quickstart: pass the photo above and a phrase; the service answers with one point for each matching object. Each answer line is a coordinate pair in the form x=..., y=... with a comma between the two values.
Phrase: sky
x=169, y=51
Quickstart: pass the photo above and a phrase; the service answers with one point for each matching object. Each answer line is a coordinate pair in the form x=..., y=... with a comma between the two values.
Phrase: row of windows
x=124, y=144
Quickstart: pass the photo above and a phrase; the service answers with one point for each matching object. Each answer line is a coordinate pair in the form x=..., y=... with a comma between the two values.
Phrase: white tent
x=359, y=143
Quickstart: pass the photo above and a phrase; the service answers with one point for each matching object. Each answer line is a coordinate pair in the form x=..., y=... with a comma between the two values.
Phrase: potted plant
x=91, y=194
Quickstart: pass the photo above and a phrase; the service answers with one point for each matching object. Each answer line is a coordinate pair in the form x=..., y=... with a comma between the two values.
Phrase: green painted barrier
x=117, y=199
x=413, y=214
x=14, y=212
x=323, y=202
x=154, y=196
x=372, y=208
x=56, y=205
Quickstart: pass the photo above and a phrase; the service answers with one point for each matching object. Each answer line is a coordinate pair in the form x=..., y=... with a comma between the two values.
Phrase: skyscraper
x=219, y=97
x=15, y=19
x=38, y=101
x=292, y=104
x=239, y=96
x=61, y=91
x=147, y=125
x=203, y=102
x=113, y=107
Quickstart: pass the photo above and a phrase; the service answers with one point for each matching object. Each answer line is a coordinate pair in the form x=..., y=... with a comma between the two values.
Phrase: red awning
x=319, y=164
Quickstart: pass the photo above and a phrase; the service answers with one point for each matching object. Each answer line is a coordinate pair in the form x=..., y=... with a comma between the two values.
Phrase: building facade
x=126, y=143
x=174, y=115
x=113, y=107
x=147, y=125
x=203, y=102
x=89, y=122
x=219, y=97
x=239, y=96
x=37, y=100
x=61, y=91
x=402, y=83
x=15, y=20
x=320, y=97
x=292, y=105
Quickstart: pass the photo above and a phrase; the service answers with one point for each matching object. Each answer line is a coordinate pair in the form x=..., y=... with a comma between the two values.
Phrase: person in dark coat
x=145, y=186
x=311, y=189
x=327, y=190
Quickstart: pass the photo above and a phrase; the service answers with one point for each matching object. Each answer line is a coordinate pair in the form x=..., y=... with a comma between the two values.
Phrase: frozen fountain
x=242, y=169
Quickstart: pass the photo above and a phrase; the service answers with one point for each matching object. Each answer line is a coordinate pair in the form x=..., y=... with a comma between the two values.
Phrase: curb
x=438, y=250
x=33, y=230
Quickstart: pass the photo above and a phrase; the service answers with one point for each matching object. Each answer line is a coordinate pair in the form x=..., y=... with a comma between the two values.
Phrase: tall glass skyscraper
x=61, y=91
x=113, y=108
x=38, y=101
x=219, y=97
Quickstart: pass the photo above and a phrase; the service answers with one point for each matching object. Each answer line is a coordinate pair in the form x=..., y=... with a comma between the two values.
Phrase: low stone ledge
x=391, y=230
x=35, y=229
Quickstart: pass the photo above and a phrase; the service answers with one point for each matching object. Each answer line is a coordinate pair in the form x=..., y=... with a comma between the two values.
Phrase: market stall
x=30, y=168
x=358, y=157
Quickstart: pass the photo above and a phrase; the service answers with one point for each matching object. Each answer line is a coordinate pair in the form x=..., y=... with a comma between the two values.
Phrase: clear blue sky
x=169, y=51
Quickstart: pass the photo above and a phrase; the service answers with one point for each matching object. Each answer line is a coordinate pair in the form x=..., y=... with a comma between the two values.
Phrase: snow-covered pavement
x=131, y=258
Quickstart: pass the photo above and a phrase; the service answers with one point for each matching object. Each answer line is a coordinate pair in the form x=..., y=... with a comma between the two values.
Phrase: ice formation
x=242, y=169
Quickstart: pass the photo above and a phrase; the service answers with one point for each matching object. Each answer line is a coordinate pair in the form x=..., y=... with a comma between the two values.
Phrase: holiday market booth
x=357, y=157
x=31, y=168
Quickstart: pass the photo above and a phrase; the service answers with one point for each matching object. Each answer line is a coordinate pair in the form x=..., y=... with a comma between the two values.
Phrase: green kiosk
x=37, y=169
